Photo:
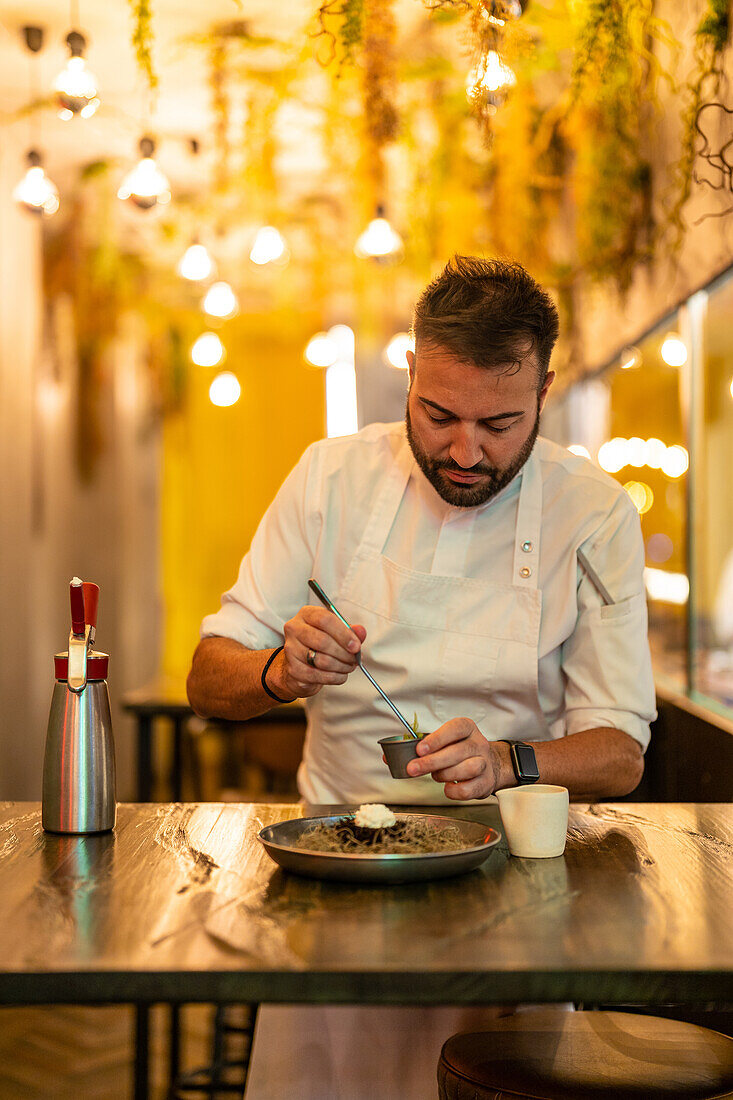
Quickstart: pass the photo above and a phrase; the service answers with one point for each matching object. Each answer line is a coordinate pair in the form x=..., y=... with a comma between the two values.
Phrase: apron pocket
x=467, y=659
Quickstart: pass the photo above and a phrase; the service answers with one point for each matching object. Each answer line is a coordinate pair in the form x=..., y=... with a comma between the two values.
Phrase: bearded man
x=492, y=579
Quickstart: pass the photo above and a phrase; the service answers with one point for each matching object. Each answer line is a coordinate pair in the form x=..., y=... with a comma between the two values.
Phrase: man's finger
x=457, y=729
x=328, y=623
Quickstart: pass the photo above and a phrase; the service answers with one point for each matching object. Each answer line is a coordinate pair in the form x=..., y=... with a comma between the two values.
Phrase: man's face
x=471, y=429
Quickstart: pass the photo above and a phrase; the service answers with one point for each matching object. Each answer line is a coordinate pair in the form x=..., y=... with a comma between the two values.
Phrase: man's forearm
x=225, y=680
x=597, y=763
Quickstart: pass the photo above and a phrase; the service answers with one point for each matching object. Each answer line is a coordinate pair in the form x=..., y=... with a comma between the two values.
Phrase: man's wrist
x=276, y=680
x=505, y=776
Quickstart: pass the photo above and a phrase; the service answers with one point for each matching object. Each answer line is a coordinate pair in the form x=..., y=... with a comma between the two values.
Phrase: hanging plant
x=220, y=109
x=379, y=80
x=142, y=40
x=340, y=28
x=711, y=39
x=610, y=127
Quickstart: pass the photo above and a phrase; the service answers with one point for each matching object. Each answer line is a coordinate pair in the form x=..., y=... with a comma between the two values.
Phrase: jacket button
x=525, y=571
x=527, y=546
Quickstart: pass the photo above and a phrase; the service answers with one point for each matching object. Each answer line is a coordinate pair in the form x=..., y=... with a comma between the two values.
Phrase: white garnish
x=373, y=815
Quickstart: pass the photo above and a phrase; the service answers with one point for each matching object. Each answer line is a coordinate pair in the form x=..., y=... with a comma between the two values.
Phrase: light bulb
x=76, y=90
x=396, y=350
x=579, y=449
x=225, y=389
x=641, y=494
x=674, y=350
x=322, y=350
x=220, y=301
x=654, y=452
x=676, y=461
x=379, y=239
x=612, y=455
x=630, y=358
x=145, y=186
x=208, y=350
x=489, y=79
x=36, y=192
x=196, y=264
x=269, y=247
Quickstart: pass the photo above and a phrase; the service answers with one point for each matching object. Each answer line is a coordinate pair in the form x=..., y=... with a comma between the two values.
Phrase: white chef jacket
x=594, y=666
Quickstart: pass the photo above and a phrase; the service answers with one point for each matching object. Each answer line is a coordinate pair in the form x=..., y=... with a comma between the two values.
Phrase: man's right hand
x=333, y=648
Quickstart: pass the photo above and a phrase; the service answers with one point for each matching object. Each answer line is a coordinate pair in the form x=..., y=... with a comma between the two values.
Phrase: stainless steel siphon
x=79, y=763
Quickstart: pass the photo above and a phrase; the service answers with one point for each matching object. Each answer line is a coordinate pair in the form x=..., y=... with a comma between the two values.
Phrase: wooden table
x=182, y=904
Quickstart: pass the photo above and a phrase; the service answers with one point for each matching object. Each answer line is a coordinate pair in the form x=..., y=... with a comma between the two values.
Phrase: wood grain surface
x=182, y=903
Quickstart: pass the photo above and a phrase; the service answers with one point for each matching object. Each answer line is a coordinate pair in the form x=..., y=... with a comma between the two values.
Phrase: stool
x=548, y=1054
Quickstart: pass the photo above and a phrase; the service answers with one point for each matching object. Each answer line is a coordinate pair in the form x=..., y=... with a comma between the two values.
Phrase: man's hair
x=487, y=312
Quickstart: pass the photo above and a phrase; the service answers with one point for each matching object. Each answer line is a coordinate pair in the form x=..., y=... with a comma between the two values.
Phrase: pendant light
x=379, y=241
x=269, y=247
x=36, y=192
x=75, y=89
x=145, y=186
x=196, y=263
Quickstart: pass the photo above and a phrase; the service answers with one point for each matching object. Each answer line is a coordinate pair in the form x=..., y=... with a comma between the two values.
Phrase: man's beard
x=469, y=496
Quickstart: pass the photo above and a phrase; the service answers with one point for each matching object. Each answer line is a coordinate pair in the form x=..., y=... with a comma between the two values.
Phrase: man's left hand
x=458, y=755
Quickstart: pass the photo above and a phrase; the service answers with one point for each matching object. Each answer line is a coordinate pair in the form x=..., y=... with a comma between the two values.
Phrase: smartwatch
x=524, y=762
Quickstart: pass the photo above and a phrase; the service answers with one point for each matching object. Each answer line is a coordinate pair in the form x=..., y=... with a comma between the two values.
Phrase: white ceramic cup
x=535, y=819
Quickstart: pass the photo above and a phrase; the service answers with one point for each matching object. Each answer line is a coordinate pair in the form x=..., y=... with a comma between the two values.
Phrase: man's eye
x=499, y=431
x=439, y=419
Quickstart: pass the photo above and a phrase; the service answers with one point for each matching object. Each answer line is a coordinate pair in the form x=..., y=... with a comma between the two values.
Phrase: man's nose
x=465, y=449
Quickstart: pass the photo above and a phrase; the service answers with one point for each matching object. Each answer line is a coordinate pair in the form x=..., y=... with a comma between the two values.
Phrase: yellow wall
x=222, y=466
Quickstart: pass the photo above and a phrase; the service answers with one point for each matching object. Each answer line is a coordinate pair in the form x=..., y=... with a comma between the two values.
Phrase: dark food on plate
x=403, y=838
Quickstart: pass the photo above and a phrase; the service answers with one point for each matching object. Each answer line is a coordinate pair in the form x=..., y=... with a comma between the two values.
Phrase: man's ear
x=411, y=364
x=545, y=387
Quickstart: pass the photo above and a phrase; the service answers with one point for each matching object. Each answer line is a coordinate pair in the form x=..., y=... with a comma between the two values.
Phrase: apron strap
x=388, y=501
x=525, y=573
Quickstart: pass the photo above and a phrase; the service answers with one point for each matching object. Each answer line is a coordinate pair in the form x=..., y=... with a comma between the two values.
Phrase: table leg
x=142, y=1036
x=174, y=1050
x=144, y=757
x=177, y=757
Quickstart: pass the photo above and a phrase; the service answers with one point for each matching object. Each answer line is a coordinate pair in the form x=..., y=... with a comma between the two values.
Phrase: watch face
x=527, y=762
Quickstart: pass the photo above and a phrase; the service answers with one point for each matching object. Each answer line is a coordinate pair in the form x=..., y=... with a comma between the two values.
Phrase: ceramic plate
x=280, y=842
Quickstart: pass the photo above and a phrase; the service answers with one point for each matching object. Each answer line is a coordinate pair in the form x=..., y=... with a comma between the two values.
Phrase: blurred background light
x=659, y=547
x=395, y=353
x=630, y=358
x=612, y=455
x=220, y=301
x=490, y=75
x=36, y=192
x=579, y=449
x=666, y=587
x=654, y=452
x=196, y=264
x=676, y=461
x=321, y=350
x=636, y=451
x=673, y=350
x=269, y=247
x=379, y=240
x=225, y=389
x=145, y=186
x=208, y=350
x=641, y=494
x=75, y=89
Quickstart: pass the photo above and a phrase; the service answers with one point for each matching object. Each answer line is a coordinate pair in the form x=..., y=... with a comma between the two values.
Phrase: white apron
x=441, y=645
x=444, y=646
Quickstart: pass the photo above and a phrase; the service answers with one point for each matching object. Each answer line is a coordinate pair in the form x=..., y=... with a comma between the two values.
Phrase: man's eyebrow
x=447, y=412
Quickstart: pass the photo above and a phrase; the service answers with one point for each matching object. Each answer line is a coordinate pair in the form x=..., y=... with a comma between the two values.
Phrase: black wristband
x=269, y=661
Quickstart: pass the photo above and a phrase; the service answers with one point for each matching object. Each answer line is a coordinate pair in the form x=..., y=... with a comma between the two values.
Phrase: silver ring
x=311, y=658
